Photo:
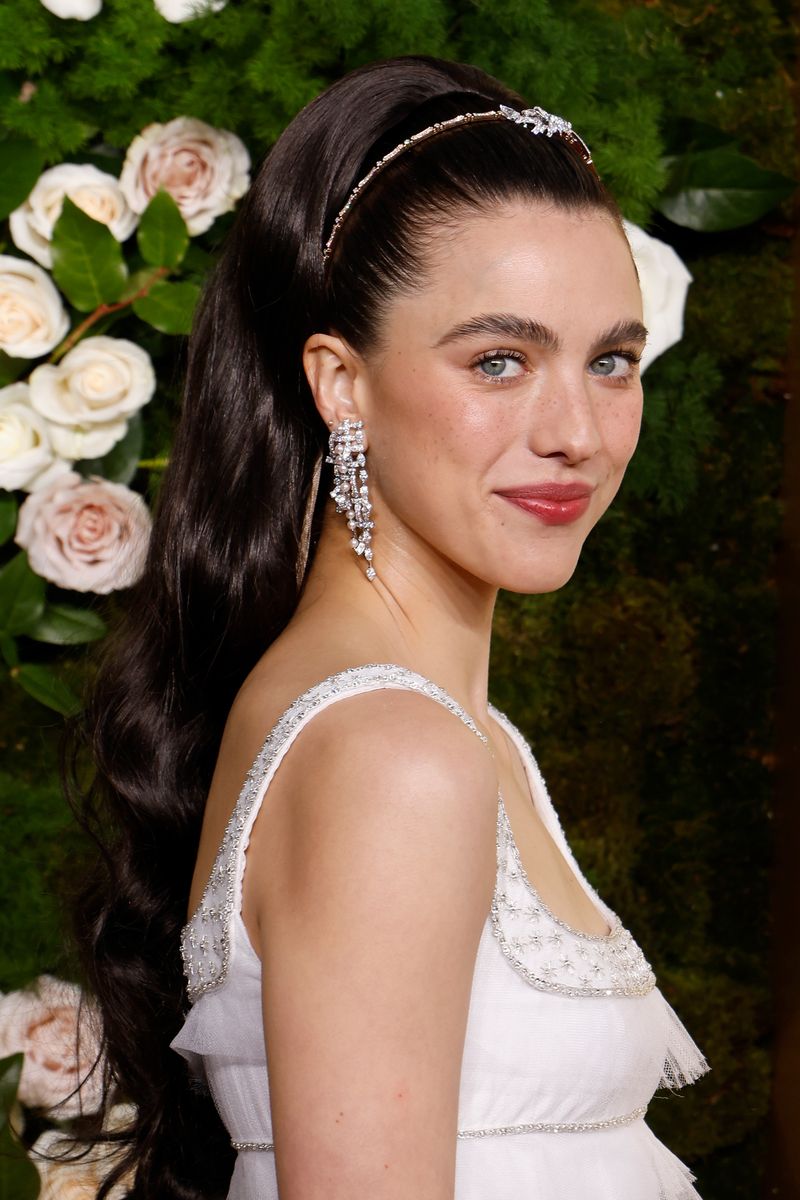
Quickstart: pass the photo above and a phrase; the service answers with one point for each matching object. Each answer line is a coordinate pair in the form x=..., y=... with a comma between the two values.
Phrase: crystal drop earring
x=350, y=490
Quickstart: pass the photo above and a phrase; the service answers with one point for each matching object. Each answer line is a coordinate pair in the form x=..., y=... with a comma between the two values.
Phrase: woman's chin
x=537, y=578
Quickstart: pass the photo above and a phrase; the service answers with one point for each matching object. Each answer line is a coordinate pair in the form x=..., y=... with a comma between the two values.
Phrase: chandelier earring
x=350, y=490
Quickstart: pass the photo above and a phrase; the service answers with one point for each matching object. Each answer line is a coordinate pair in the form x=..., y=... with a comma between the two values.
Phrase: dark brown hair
x=220, y=580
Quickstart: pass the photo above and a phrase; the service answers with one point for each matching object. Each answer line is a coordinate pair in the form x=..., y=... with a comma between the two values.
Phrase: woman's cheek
x=624, y=430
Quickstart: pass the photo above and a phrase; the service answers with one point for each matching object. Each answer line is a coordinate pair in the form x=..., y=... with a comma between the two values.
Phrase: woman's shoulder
x=379, y=708
x=377, y=717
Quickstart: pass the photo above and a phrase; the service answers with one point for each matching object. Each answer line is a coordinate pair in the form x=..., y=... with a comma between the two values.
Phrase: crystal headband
x=538, y=120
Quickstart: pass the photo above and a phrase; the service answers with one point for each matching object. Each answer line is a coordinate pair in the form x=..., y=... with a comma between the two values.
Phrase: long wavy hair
x=221, y=578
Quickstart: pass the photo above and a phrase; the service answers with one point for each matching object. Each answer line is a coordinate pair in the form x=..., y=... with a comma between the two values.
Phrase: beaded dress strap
x=207, y=939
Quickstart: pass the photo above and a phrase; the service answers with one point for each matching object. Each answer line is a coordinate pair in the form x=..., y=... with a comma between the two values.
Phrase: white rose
x=186, y=10
x=87, y=535
x=98, y=194
x=89, y=395
x=33, y=319
x=664, y=280
x=43, y=1024
x=25, y=447
x=79, y=10
x=205, y=170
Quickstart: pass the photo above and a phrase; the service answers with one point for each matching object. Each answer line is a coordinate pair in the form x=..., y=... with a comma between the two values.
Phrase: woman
x=413, y=381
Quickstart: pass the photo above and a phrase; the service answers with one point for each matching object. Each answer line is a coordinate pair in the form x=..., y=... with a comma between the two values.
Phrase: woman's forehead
x=537, y=262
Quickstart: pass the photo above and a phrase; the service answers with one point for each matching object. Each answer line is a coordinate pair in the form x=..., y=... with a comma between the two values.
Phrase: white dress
x=567, y=1035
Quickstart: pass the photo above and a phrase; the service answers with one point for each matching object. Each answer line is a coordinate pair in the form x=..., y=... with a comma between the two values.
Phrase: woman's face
x=505, y=403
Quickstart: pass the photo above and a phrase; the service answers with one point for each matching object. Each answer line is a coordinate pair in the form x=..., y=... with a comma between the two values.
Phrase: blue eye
x=500, y=364
x=615, y=358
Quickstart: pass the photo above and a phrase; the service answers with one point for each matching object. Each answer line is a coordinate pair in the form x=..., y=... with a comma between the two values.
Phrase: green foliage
x=88, y=264
x=678, y=425
x=21, y=595
x=8, y=516
x=162, y=236
x=719, y=189
x=11, y=368
x=67, y=625
x=20, y=166
x=22, y=611
x=41, y=843
x=169, y=307
x=41, y=683
x=19, y=1179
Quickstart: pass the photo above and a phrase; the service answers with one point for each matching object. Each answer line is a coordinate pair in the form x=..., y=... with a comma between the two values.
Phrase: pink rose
x=87, y=535
x=65, y=1170
x=205, y=170
x=42, y=1024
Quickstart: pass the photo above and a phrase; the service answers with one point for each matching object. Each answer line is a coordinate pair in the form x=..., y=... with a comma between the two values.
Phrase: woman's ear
x=331, y=368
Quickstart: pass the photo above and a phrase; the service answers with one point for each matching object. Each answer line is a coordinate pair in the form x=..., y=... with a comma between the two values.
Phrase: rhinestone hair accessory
x=536, y=119
x=350, y=490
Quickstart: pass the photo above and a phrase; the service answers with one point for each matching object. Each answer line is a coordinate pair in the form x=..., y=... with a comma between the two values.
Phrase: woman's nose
x=564, y=419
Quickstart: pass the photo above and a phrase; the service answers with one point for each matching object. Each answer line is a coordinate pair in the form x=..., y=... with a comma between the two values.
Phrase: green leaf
x=162, y=235
x=168, y=307
x=685, y=134
x=138, y=281
x=87, y=260
x=67, y=625
x=19, y=1179
x=198, y=262
x=717, y=189
x=10, y=1072
x=11, y=368
x=47, y=688
x=8, y=516
x=122, y=461
x=20, y=166
x=21, y=595
x=8, y=649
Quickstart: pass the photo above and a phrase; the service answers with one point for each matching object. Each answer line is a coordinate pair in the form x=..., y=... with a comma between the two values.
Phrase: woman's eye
x=500, y=365
x=617, y=364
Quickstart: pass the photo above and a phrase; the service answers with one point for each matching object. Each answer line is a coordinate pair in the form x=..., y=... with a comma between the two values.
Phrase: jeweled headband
x=536, y=119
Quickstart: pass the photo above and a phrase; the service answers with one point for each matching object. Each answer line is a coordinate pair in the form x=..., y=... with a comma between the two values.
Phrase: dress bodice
x=567, y=1032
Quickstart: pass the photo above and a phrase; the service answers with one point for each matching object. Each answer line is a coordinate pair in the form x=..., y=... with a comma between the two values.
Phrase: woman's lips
x=552, y=503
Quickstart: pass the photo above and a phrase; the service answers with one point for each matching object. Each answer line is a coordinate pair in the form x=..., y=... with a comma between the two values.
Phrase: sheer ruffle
x=684, y=1062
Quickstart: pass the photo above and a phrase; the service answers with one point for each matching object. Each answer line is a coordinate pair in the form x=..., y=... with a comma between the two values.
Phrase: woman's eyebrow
x=527, y=330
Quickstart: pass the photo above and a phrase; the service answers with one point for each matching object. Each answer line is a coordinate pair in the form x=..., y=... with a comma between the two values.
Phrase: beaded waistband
x=502, y=1130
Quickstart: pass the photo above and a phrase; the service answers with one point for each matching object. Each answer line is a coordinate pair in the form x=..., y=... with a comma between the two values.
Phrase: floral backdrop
x=129, y=132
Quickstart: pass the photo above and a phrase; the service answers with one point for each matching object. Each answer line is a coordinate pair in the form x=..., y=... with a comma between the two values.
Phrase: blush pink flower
x=68, y=1172
x=204, y=169
x=42, y=1023
x=87, y=535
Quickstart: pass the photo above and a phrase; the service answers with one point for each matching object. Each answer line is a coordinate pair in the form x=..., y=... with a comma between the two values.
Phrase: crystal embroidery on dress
x=546, y=951
x=206, y=939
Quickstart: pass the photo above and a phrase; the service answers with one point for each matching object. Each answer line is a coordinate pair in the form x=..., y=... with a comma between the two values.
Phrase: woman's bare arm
x=369, y=919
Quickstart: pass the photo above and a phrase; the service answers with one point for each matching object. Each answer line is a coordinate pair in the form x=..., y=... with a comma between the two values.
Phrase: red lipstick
x=552, y=503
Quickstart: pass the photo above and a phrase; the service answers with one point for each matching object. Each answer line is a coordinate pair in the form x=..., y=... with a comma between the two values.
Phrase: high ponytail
x=221, y=579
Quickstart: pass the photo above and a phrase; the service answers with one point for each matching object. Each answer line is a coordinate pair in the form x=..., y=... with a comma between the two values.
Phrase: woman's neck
x=421, y=611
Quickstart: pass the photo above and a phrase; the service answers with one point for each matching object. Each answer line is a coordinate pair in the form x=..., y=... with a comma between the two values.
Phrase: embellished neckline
x=611, y=917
